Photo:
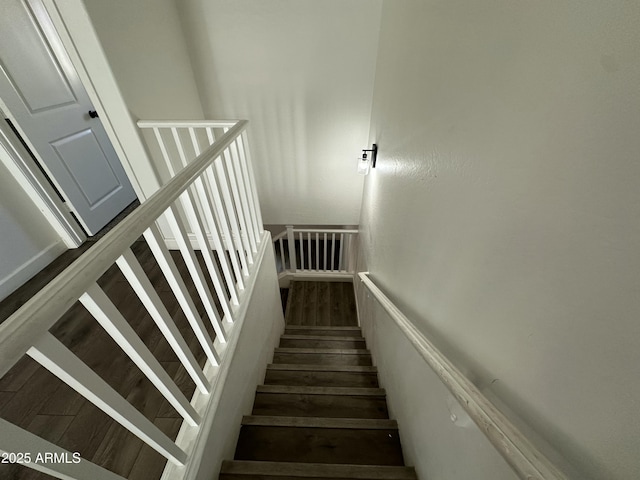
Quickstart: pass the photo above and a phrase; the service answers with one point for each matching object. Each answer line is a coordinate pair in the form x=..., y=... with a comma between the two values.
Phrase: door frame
x=81, y=42
x=28, y=175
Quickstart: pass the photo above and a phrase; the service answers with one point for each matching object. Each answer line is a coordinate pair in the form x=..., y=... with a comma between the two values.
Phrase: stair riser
x=319, y=445
x=322, y=359
x=328, y=343
x=321, y=379
x=330, y=406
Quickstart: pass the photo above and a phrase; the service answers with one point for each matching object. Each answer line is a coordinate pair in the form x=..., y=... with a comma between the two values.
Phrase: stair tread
x=318, y=470
x=322, y=368
x=311, y=390
x=319, y=327
x=324, y=351
x=320, y=422
x=323, y=338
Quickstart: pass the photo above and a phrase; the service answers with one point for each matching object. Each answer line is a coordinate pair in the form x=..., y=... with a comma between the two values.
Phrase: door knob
x=93, y=114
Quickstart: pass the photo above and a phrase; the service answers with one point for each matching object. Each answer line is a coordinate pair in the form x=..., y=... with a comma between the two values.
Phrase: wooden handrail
x=525, y=459
x=186, y=123
x=39, y=314
x=323, y=230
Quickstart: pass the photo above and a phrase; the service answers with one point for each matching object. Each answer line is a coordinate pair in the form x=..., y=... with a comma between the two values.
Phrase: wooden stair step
x=319, y=341
x=306, y=390
x=320, y=422
x=326, y=342
x=323, y=331
x=249, y=470
x=323, y=368
x=295, y=336
x=325, y=351
x=314, y=440
x=321, y=375
x=323, y=356
x=333, y=402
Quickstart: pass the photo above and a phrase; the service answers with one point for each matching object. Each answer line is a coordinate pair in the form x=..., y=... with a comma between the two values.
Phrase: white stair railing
x=214, y=197
x=322, y=252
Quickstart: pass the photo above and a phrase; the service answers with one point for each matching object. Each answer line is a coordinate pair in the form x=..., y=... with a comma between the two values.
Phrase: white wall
x=145, y=45
x=147, y=54
x=28, y=243
x=302, y=72
x=438, y=448
x=503, y=214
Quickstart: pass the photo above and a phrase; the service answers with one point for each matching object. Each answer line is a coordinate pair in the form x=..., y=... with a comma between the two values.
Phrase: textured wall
x=302, y=72
x=503, y=216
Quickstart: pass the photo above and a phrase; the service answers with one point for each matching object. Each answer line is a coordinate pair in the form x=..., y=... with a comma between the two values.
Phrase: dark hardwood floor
x=321, y=304
x=34, y=399
x=19, y=297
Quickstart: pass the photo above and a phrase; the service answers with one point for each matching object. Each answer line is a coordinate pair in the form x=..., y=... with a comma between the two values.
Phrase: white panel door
x=42, y=91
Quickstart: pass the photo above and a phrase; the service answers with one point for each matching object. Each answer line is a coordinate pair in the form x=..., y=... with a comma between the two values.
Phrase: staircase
x=320, y=413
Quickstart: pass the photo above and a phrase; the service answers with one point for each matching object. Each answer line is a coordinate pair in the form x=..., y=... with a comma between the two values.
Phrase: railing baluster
x=15, y=439
x=301, y=251
x=242, y=193
x=352, y=253
x=324, y=266
x=250, y=191
x=231, y=216
x=49, y=352
x=291, y=242
x=210, y=136
x=189, y=256
x=133, y=272
x=333, y=252
x=207, y=210
x=186, y=199
x=309, y=250
x=282, y=259
x=108, y=316
x=242, y=224
x=190, y=203
x=167, y=265
x=340, y=255
x=317, y=252
x=222, y=221
x=252, y=180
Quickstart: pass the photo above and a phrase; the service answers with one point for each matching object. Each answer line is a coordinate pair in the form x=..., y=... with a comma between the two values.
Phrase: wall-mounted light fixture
x=365, y=163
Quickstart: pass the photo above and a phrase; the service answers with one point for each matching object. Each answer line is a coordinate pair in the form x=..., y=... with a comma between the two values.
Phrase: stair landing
x=321, y=413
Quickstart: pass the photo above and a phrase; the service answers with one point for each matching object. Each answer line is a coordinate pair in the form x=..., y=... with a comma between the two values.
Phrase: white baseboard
x=28, y=269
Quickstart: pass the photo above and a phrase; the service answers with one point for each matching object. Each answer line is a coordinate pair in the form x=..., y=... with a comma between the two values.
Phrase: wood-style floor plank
x=50, y=427
x=149, y=463
x=350, y=303
x=294, y=314
x=19, y=375
x=118, y=450
x=27, y=402
x=337, y=304
x=310, y=305
x=65, y=401
x=5, y=397
x=323, y=314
